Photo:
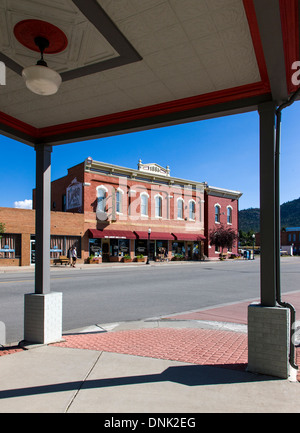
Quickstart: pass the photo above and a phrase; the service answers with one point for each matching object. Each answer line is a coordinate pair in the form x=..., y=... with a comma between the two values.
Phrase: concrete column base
x=43, y=318
x=268, y=340
x=2, y=334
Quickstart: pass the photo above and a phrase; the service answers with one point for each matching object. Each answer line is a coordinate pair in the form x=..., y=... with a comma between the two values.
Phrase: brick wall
x=22, y=221
x=131, y=199
x=210, y=224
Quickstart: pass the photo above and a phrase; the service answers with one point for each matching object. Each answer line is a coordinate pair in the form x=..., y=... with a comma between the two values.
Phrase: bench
x=63, y=260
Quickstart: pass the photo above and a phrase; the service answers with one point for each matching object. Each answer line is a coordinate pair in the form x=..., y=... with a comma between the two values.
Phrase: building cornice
x=222, y=192
x=140, y=176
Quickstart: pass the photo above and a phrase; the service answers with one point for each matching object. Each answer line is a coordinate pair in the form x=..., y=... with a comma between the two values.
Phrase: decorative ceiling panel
x=86, y=44
x=127, y=54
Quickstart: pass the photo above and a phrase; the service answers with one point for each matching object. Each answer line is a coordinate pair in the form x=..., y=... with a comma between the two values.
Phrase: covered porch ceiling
x=129, y=65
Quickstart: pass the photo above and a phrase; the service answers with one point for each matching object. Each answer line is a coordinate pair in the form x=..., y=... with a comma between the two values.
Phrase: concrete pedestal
x=43, y=318
x=2, y=334
x=268, y=340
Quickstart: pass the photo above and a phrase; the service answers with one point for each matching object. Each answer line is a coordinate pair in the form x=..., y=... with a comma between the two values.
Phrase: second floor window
x=158, y=206
x=192, y=210
x=229, y=215
x=217, y=213
x=144, y=204
x=101, y=200
x=180, y=208
x=118, y=201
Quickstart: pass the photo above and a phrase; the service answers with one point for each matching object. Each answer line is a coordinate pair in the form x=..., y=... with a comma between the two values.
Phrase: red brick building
x=221, y=208
x=17, y=246
x=289, y=240
x=108, y=211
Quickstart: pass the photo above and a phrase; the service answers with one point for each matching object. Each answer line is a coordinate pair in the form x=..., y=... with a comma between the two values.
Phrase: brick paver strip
x=197, y=346
x=9, y=350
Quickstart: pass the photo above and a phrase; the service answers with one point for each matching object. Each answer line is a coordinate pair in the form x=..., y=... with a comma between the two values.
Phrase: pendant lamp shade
x=41, y=80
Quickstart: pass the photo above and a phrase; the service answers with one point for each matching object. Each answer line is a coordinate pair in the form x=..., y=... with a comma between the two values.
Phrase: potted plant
x=90, y=258
x=127, y=258
x=140, y=258
x=178, y=257
x=97, y=259
x=94, y=259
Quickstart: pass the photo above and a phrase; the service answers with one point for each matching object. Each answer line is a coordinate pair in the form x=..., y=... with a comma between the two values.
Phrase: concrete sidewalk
x=194, y=362
x=163, y=365
x=104, y=265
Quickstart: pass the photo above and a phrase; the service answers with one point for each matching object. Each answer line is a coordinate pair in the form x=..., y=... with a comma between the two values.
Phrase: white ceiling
x=188, y=48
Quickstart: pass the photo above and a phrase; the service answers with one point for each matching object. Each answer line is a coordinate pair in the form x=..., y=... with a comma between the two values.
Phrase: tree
x=2, y=230
x=246, y=238
x=223, y=237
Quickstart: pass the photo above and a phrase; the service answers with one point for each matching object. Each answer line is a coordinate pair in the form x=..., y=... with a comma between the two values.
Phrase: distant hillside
x=249, y=219
x=290, y=216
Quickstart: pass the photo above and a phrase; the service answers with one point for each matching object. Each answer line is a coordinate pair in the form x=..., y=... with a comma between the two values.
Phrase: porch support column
x=43, y=309
x=267, y=204
x=42, y=219
x=268, y=324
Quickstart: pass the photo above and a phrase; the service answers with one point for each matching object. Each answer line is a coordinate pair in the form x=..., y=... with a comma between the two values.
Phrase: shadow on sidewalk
x=190, y=375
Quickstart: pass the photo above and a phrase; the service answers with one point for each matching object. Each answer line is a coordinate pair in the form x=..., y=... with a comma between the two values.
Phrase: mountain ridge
x=249, y=219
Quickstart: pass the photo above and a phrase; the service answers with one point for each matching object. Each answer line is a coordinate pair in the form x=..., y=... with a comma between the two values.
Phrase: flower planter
x=114, y=259
x=94, y=261
x=99, y=260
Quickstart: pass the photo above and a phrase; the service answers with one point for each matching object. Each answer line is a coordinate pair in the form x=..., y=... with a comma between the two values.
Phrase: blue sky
x=223, y=152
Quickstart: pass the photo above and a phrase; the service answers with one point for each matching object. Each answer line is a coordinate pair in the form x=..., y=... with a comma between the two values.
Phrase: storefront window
x=59, y=245
x=119, y=247
x=141, y=247
x=196, y=251
x=114, y=247
x=124, y=247
x=10, y=246
x=95, y=247
x=178, y=248
x=162, y=248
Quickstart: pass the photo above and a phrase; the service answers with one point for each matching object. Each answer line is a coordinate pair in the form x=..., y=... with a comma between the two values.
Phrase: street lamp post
x=253, y=237
x=148, y=246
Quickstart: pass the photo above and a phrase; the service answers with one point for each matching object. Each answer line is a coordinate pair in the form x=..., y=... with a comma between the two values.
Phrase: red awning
x=112, y=234
x=188, y=237
x=155, y=236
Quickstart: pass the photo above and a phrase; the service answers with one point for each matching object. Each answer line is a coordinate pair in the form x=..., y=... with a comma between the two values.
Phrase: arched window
x=229, y=215
x=192, y=210
x=217, y=213
x=119, y=198
x=158, y=206
x=144, y=204
x=180, y=204
x=101, y=198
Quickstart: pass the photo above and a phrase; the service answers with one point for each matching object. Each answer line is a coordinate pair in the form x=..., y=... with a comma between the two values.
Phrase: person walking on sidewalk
x=69, y=256
x=74, y=256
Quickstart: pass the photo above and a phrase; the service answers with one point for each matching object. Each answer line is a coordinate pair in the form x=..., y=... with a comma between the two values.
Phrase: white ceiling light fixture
x=39, y=78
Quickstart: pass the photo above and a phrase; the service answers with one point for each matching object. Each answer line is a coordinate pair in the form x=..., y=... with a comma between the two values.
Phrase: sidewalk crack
x=82, y=383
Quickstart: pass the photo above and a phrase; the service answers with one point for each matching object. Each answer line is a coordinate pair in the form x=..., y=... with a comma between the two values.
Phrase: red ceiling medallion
x=26, y=31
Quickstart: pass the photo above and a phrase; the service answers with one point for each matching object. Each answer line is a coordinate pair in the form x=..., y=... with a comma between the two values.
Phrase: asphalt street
x=108, y=295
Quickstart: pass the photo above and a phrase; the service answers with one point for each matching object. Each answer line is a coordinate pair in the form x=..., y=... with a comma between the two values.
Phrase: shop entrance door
x=105, y=251
x=32, y=252
x=152, y=250
x=190, y=246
